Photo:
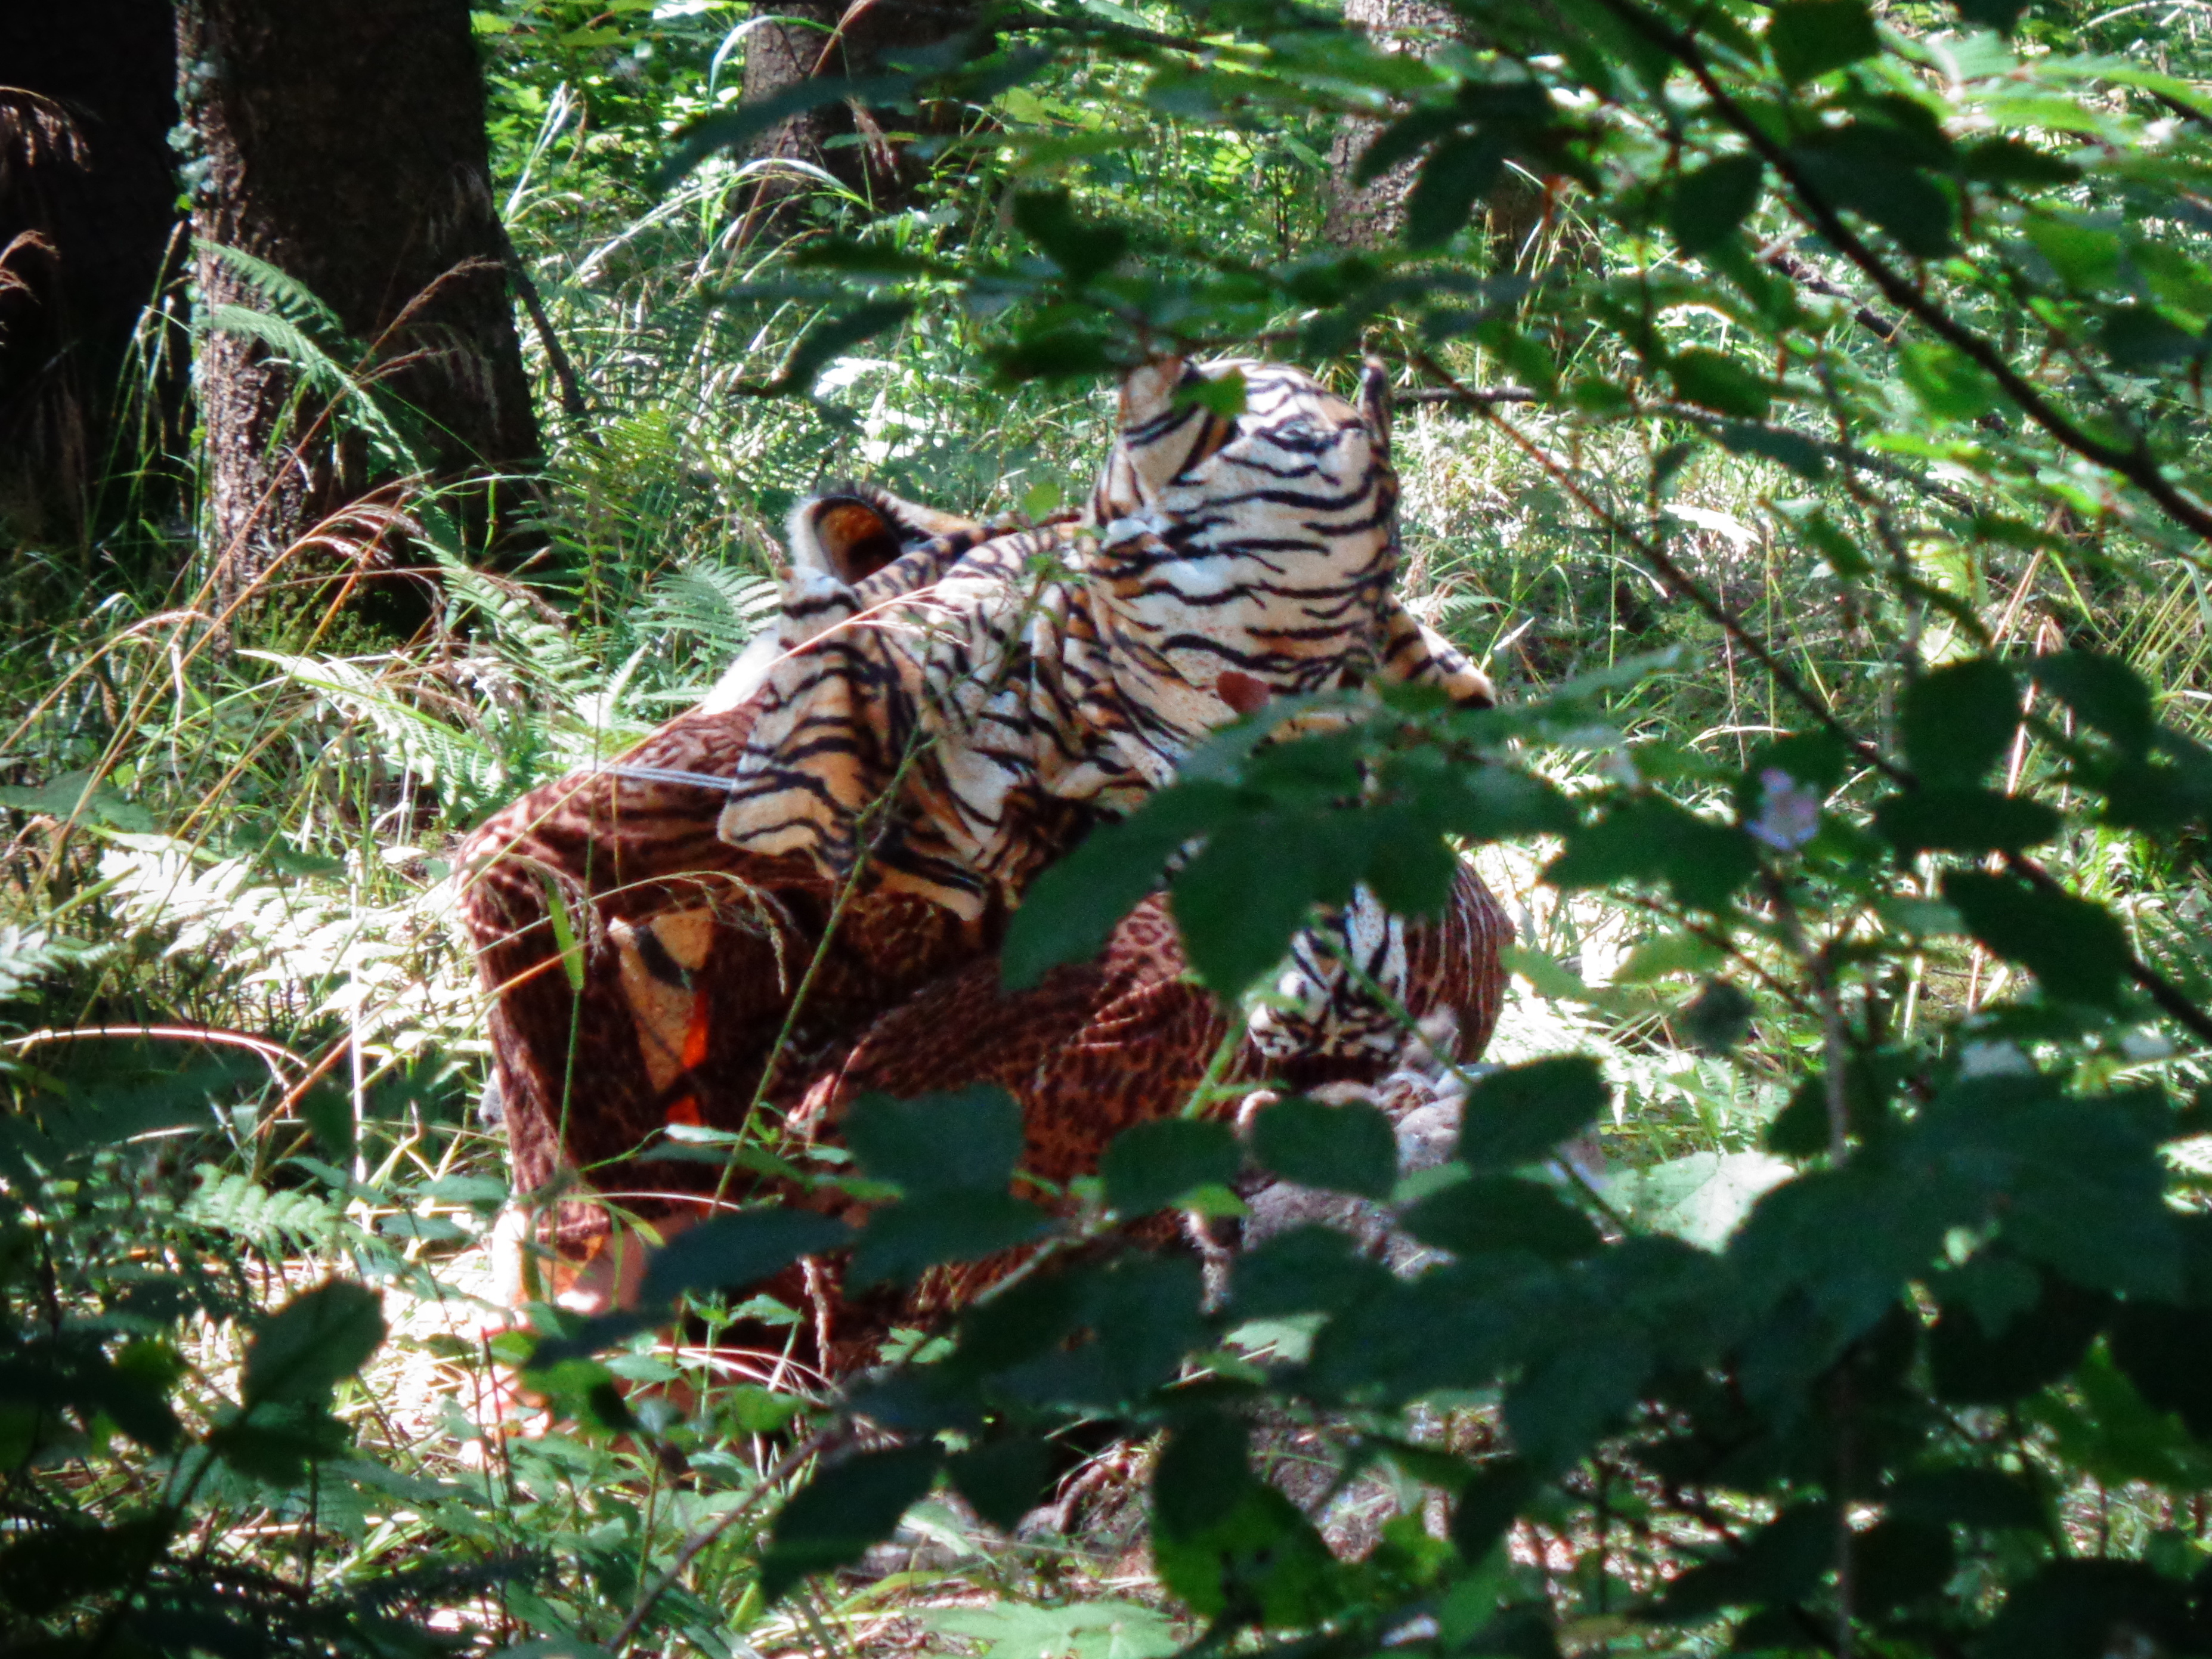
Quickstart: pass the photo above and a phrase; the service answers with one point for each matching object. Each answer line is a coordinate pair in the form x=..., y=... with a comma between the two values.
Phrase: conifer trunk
x=1369, y=214
x=343, y=142
x=796, y=40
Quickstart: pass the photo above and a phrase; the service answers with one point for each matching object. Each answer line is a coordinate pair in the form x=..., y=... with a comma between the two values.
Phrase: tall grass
x=230, y=845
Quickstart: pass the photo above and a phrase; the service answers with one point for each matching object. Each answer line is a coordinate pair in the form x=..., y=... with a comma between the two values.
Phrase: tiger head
x=1240, y=557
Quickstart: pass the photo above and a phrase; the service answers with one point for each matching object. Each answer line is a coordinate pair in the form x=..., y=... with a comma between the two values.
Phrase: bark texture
x=343, y=142
x=832, y=37
x=1370, y=215
x=1367, y=215
x=87, y=216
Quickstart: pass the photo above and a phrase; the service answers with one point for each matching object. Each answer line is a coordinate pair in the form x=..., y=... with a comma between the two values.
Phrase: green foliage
x=1818, y=459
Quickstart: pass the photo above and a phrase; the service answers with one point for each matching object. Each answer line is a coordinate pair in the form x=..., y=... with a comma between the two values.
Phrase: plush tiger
x=796, y=890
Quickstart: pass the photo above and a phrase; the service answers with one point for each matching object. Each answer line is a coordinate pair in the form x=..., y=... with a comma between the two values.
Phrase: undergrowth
x=245, y=1050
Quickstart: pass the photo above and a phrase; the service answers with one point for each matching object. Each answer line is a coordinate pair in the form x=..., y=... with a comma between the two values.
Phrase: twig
x=1684, y=583
x=270, y=1051
x=1672, y=408
x=1479, y=397
x=2137, y=464
x=785, y=1466
x=564, y=372
x=2169, y=997
x=1802, y=272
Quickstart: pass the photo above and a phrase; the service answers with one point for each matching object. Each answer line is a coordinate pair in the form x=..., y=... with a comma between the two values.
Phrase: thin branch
x=1684, y=583
x=572, y=403
x=1802, y=272
x=786, y=1465
x=2136, y=464
x=1671, y=409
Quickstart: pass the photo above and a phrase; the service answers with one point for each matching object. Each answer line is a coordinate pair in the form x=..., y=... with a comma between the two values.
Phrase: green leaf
x=1071, y=909
x=1718, y=381
x=1229, y=1544
x=1458, y=173
x=277, y=1441
x=1717, y=1018
x=1791, y=449
x=1486, y=1505
x=1649, y=838
x=1900, y=1561
x=1220, y=394
x=1308, y=1269
x=2161, y=1350
x=2077, y=949
x=1958, y=820
x=1709, y=205
x=1983, y=1498
x=1574, y=1395
x=2086, y=256
x=1238, y=902
x=1948, y=384
x=1052, y=353
x=1490, y=1214
x=2078, y=1609
x=963, y=1141
x=2078, y=1183
x=2004, y=159
x=730, y=1252
x=1873, y=169
x=1003, y=1481
x=2142, y=338
x=64, y=1561
x=730, y=128
x=848, y=1506
x=832, y=337
x=1973, y=1365
x=1959, y=720
x=2103, y=692
x=1812, y=37
x=318, y=1338
x=1518, y=1115
x=1779, y=1564
x=1047, y=218
x=902, y=1241
x=1151, y=1165
x=1078, y=1630
x=327, y=1110
x=1700, y=1198
x=1341, y=1149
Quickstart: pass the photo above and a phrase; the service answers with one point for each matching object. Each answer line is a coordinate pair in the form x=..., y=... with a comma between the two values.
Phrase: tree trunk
x=1367, y=215
x=852, y=144
x=1370, y=215
x=342, y=143
x=88, y=221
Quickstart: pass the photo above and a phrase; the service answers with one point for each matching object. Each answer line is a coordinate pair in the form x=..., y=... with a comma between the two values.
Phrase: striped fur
x=952, y=728
x=798, y=890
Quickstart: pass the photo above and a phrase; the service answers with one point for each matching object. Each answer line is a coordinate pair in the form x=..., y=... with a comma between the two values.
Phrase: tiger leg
x=637, y=971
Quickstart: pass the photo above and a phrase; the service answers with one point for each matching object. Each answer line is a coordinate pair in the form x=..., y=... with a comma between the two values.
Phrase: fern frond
x=290, y=298
x=721, y=604
x=436, y=753
x=363, y=407
x=231, y=1203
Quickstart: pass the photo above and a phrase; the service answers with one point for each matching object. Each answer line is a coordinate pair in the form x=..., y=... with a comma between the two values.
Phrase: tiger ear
x=841, y=536
x=1374, y=403
x=1148, y=391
